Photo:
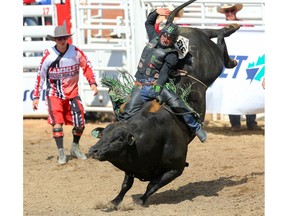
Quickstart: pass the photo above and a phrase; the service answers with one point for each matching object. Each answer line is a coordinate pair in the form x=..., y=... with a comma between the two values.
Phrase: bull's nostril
x=93, y=151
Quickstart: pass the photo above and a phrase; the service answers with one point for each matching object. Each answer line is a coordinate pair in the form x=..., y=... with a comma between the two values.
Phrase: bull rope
x=185, y=73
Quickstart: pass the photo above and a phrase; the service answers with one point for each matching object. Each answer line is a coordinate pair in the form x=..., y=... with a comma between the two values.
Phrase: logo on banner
x=256, y=70
x=248, y=70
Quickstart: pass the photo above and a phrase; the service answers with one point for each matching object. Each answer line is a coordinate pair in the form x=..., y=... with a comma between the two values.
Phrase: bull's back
x=159, y=121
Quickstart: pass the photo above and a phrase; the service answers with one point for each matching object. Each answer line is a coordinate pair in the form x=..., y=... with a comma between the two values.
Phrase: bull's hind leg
x=126, y=185
x=226, y=31
x=159, y=182
x=228, y=62
x=230, y=29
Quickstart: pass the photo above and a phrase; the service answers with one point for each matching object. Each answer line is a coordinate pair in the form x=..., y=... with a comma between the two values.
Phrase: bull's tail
x=176, y=10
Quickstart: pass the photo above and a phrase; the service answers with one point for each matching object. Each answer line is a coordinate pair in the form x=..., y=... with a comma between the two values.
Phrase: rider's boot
x=201, y=134
x=195, y=126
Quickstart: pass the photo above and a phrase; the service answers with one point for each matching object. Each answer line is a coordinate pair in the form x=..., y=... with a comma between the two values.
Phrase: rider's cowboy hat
x=60, y=31
x=224, y=7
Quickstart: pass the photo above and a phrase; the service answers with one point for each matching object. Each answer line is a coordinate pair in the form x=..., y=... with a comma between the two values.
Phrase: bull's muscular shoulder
x=151, y=113
x=192, y=33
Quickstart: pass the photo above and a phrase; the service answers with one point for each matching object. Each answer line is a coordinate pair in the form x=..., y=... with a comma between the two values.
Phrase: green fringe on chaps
x=121, y=87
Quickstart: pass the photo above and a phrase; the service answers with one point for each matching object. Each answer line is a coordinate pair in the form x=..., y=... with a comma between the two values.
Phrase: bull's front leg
x=159, y=182
x=126, y=185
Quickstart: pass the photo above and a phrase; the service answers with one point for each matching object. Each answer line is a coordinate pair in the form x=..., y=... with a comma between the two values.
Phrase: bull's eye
x=131, y=140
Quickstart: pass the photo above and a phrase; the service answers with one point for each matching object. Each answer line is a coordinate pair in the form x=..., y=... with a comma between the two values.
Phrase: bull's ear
x=131, y=139
x=97, y=132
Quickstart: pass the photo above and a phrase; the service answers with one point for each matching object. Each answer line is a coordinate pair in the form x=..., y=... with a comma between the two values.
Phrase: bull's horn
x=175, y=11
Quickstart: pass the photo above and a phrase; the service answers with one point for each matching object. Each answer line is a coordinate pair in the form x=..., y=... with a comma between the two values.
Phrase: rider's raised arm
x=151, y=20
x=150, y=25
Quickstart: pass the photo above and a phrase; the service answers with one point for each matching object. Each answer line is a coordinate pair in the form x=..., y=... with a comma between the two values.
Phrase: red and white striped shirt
x=62, y=79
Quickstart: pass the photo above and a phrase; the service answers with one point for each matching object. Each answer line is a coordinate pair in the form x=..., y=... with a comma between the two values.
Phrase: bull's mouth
x=96, y=157
x=94, y=154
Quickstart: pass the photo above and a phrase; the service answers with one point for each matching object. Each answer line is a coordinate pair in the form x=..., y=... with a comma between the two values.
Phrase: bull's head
x=115, y=142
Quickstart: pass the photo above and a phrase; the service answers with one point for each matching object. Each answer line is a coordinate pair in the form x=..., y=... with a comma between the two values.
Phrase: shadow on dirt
x=195, y=189
x=224, y=128
x=227, y=131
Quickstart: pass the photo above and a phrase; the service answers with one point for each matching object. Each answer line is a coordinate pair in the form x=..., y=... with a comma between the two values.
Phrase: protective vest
x=152, y=59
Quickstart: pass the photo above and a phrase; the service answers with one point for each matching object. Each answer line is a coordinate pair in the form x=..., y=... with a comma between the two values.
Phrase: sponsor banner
x=28, y=85
x=235, y=91
x=239, y=90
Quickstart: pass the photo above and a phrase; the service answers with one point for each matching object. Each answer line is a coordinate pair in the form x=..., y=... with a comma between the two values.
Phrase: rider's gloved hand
x=157, y=89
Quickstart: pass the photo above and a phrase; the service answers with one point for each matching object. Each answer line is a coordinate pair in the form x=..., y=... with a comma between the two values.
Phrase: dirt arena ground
x=225, y=177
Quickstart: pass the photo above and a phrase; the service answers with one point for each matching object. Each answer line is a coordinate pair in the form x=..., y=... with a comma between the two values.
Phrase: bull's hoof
x=112, y=206
x=139, y=202
x=230, y=29
x=231, y=63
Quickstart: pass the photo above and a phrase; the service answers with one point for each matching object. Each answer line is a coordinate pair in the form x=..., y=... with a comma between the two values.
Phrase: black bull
x=152, y=144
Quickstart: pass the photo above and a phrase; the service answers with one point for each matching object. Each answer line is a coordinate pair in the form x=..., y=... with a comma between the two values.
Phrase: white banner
x=28, y=85
x=236, y=91
x=239, y=90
